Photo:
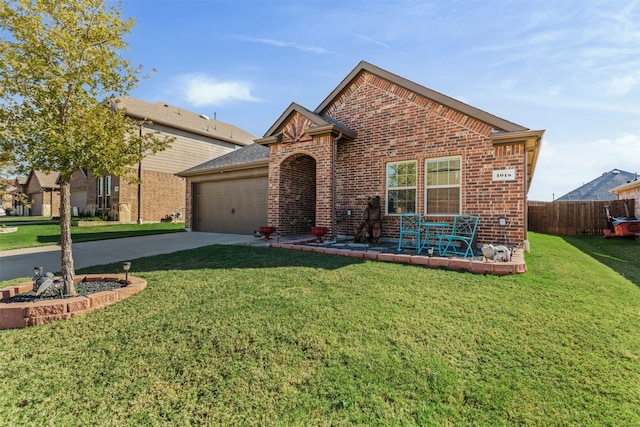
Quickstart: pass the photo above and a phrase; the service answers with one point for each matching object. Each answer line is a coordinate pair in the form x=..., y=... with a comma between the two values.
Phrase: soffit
x=531, y=140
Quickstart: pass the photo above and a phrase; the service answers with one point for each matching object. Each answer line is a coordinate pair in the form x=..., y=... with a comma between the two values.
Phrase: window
x=442, y=186
x=103, y=196
x=107, y=192
x=401, y=187
x=100, y=185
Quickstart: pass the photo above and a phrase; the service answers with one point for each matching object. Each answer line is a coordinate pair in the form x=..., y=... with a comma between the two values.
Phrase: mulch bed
x=82, y=289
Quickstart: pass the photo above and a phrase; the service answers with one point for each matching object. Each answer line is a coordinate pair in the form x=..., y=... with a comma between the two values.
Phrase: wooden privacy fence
x=574, y=218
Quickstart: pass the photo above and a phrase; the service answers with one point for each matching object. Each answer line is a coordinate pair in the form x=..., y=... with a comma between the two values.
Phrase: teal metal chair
x=460, y=240
x=409, y=227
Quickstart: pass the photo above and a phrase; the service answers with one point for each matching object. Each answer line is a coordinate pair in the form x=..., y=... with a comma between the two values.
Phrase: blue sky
x=571, y=67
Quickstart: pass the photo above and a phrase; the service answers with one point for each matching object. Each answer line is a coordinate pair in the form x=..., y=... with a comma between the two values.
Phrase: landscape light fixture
x=126, y=266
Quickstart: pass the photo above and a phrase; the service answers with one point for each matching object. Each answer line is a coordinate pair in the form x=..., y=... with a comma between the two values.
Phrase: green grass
x=32, y=235
x=10, y=220
x=231, y=335
x=621, y=254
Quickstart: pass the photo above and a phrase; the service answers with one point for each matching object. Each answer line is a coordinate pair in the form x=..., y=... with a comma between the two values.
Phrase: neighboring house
x=378, y=134
x=599, y=188
x=43, y=191
x=630, y=190
x=19, y=187
x=162, y=193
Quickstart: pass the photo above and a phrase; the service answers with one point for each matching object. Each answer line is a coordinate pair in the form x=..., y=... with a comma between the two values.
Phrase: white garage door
x=235, y=206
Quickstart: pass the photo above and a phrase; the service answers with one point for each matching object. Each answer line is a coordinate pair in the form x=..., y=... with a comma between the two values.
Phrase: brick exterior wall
x=79, y=181
x=395, y=124
x=46, y=200
x=162, y=194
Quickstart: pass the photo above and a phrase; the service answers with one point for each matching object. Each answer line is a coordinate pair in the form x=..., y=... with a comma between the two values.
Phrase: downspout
x=140, y=177
x=334, y=153
x=526, y=193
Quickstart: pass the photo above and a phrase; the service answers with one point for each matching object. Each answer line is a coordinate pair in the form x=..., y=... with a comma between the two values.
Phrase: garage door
x=79, y=202
x=36, y=205
x=235, y=206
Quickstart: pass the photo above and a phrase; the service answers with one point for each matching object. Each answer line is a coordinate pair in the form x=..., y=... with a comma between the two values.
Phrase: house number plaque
x=504, y=175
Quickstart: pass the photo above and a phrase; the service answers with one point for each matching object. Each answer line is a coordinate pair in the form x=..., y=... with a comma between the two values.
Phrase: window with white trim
x=443, y=186
x=103, y=196
x=401, y=187
x=107, y=192
x=100, y=195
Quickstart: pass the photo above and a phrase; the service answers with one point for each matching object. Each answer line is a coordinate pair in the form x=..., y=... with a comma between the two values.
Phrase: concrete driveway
x=20, y=262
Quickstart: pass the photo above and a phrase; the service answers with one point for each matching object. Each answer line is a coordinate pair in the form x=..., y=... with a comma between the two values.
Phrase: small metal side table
x=433, y=232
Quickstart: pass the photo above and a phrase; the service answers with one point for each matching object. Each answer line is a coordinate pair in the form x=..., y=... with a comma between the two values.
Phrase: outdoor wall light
x=126, y=266
x=502, y=221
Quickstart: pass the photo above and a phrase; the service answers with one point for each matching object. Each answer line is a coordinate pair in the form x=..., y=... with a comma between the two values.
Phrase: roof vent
x=616, y=171
x=204, y=116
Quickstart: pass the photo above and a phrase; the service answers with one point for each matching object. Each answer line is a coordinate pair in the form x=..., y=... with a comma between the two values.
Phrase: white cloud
x=622, y=85
x=371, y=40
x=562, y=168
x=286, y=44
x=201, y=90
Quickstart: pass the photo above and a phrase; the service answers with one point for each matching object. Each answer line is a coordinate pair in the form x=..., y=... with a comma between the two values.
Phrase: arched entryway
x=297, y=194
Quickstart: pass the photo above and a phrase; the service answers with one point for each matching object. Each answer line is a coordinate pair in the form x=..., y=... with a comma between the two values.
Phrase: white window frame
x=427, y=187
x=107, y=196
x=389, y=188
x=100, y=184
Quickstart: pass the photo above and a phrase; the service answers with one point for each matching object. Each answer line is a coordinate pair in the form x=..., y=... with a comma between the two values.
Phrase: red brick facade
x=162, y=194
x=43, y=193
x=314, y=166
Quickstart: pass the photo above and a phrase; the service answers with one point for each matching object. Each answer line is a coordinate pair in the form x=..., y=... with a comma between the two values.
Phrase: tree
x=61, y=75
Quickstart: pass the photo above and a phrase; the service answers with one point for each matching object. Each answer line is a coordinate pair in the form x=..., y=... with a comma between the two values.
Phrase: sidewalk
x=20, y=262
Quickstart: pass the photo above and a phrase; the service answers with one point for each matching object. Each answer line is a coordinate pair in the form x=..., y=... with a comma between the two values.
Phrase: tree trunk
x=68, y=273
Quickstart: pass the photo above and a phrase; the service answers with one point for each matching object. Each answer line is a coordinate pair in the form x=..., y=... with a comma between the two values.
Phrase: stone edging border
x=517, y=264
x=22, y=314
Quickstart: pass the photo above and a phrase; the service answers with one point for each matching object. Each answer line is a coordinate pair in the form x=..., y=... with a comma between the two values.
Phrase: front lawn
x=621, y=254
x=32, y=235
x=232, y=335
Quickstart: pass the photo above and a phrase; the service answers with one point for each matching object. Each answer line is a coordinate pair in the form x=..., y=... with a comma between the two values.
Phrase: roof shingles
x=599, y=188
x=176, y=117
x=249, y=154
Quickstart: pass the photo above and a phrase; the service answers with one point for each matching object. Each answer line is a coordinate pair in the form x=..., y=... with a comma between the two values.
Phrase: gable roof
x=168, y=115
x=45, y=179
x=319, y=122
x=254, y=154
x=496, y=122
x=504, y=131
x=599, y=188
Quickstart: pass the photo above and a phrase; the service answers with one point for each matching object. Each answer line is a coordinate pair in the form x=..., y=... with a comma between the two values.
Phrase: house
x=43, y=191
x=599, y=188
x=378, y=134
x=18, y=187
x=630, y=190
x=161, y=193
